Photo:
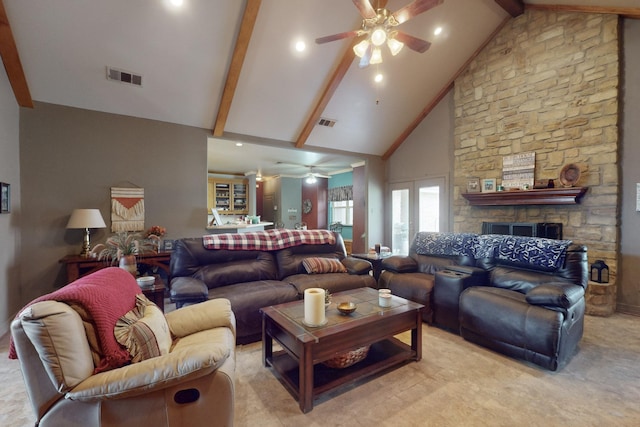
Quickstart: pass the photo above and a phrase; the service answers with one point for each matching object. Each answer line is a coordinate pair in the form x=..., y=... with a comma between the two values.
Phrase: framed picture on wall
x=473, y=185
x=488, y=185
x=5, y=197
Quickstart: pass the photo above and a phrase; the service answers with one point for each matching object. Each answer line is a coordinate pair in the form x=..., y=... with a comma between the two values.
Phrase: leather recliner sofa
x=192, y=384
x=252, y=279
x=521, y=296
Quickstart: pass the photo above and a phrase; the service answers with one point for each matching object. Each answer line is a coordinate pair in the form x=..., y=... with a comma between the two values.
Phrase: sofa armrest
x=356, y=266
x=555, y=294
x=188, y=288
x=400, y=264
x=191, y=361
x=210, y=314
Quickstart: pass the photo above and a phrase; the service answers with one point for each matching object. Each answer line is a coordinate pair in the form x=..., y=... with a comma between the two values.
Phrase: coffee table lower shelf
x=382, y=355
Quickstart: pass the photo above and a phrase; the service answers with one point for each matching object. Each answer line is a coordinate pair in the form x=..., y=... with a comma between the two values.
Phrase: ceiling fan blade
x=364, y=61
x=414, y=9
x=366, y=10
x=413, y=43
x=335, y=37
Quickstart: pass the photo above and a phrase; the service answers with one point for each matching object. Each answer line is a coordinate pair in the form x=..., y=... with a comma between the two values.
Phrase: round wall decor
x=307, y=206
x=569, y=175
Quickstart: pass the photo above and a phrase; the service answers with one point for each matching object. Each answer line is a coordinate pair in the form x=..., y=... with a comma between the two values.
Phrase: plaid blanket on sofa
x=269, y=240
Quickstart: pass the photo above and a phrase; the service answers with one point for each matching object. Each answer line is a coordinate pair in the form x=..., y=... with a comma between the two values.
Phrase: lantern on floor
x=599, y=272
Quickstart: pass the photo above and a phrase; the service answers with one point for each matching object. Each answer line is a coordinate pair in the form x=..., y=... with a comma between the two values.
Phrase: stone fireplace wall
x=547, y=83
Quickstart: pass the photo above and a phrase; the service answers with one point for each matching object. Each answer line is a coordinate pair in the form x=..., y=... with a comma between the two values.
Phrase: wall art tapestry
x=127, y=209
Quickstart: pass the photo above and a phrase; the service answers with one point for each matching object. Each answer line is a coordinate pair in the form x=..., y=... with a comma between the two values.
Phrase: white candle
x=314, y=306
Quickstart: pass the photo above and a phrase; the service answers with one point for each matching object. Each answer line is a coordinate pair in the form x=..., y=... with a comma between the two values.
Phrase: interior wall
x=375, y=185
x=291, y=201
x=628, y=298
x=70, y=158
x=10, y=299
x=427, y=152
x=359, y=244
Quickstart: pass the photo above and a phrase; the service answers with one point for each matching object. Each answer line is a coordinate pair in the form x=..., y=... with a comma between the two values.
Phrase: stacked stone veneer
x=547, y=83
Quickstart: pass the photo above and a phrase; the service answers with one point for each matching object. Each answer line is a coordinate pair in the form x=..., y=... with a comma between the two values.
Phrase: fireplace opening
x=549, y=230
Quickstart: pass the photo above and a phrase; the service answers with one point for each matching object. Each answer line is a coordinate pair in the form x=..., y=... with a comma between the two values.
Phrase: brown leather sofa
x=521, y=296
x=252, y=279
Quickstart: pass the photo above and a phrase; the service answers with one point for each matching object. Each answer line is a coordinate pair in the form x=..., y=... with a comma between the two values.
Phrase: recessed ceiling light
x=176, y=3
x=437, y=31
x=300, y=46
x=378, y=78
x=238, y=144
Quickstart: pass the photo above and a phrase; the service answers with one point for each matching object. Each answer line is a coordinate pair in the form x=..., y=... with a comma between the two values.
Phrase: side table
x=77, y=266
x=376, y=262
x=155, y=293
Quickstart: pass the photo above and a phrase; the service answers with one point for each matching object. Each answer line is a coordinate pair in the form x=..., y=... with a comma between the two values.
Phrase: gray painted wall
x=72, y=157
x=10, y=299
x=628, y=280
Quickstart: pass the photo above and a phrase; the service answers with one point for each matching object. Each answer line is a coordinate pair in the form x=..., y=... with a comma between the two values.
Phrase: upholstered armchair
x=190, y=384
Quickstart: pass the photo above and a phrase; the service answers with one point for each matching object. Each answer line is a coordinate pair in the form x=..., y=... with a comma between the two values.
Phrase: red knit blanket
x=106, y=295
x=269, y=240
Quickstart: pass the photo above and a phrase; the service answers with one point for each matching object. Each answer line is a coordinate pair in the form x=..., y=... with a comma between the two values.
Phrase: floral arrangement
x=122, y=244
x=155, y=230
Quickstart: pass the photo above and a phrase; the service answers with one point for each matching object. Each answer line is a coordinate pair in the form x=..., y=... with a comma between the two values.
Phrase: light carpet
x=456, y=383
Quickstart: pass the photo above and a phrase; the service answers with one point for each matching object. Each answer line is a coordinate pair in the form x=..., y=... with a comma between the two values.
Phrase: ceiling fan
x=310, y=173
x=379, y=27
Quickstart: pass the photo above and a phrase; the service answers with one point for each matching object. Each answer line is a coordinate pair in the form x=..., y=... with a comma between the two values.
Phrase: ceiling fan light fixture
x=361, y=48
x=376, y=56
x=394, y=46
x=311, y=179
x=378, y=36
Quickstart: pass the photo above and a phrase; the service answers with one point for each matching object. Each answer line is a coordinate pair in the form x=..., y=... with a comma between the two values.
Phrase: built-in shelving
x=228, y=196
x=544, y=196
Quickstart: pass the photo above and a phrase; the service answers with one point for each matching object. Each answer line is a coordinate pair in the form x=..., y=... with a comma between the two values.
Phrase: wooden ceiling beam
x=330, y=88
x=233, y=75
x=626, y=12
x=445, y=89
x=12, y=63
x=513, y=7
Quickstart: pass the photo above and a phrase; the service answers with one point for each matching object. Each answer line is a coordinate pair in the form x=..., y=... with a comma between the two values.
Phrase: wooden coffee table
x=298, y=366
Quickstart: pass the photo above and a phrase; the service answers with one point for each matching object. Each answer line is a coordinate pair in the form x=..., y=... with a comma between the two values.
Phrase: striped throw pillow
x=319, y=265
x=144, y=331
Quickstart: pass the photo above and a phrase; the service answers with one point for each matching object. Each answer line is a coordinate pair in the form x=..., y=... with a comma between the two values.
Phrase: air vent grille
x=123, y=76
x=327, y=122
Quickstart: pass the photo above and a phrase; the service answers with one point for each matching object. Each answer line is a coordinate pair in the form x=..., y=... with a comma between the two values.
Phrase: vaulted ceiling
x=231, y=66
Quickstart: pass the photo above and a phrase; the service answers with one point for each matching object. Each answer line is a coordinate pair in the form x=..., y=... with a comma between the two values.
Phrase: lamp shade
x=86, y=218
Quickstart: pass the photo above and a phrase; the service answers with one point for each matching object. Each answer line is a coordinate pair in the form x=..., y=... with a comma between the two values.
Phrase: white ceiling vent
x=327, y=122
x=124, y=76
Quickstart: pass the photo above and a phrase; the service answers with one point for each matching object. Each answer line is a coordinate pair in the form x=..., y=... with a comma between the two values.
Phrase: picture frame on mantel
x=473, y=185
x=489, y=185
x=5, y=197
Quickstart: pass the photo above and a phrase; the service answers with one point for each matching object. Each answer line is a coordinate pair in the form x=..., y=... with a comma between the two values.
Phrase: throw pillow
x=321, y=265
x=144, y=331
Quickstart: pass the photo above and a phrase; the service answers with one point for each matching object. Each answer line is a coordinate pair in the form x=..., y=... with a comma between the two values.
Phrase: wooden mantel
x=544, y=196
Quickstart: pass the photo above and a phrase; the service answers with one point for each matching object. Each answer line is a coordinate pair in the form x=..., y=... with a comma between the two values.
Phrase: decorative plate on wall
x=569, y=175
x=306, y=206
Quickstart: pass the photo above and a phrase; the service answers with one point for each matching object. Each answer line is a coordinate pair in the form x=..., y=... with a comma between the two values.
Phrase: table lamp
x=86, y=218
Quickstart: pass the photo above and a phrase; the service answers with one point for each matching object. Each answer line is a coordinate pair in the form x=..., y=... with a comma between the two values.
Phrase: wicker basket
x=348, y=358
